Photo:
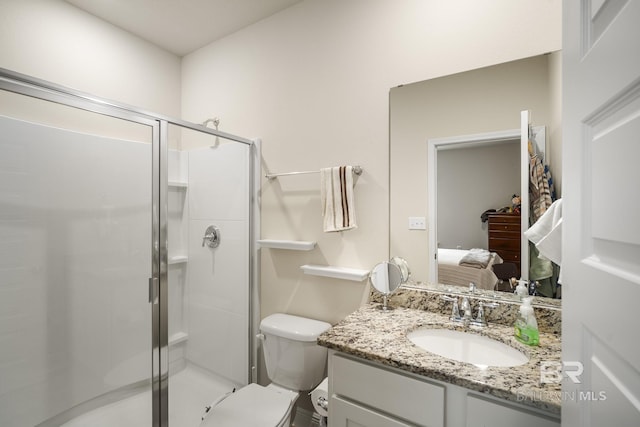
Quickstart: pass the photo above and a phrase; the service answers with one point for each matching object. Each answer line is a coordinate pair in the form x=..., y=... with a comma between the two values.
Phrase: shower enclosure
x=119, y=305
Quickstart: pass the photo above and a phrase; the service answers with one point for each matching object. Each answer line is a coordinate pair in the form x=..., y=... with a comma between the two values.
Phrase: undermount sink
x=467, y=347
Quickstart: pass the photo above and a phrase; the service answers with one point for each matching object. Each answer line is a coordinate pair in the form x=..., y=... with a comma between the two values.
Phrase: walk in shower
x=127, y=263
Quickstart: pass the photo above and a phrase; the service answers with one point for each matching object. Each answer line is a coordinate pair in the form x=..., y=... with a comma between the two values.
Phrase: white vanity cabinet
x=364, y=394
x=484, y=412
x=347, y=414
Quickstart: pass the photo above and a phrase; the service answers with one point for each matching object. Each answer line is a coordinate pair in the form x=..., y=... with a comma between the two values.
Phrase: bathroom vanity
x=378, y=377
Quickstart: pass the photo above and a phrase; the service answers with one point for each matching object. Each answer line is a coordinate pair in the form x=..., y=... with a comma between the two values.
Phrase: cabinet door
x=346, y=414
x=417, y=401
x=484, y=413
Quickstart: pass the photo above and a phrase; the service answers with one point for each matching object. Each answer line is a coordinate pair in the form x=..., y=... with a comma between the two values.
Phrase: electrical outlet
x=417, y=223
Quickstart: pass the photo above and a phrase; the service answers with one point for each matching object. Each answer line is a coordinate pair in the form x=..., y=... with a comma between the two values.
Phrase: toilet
x=294, y=363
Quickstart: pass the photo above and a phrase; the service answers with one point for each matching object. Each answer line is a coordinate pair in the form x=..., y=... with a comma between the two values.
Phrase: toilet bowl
x=294, y=363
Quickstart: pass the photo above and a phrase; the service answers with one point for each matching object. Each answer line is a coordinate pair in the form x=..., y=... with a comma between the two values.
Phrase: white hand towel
x=336, y=196
x=546, y=233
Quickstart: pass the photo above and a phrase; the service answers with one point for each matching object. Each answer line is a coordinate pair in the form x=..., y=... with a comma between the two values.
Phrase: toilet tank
x=291, y=355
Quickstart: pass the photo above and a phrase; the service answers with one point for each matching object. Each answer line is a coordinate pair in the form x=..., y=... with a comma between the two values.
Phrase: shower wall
x=209, y=291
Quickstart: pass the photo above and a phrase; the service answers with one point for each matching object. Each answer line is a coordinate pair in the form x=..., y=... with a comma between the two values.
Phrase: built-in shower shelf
x=178, y=259
x=355, y=274
x=178, y=337
x=178, y=184
x=293, y=245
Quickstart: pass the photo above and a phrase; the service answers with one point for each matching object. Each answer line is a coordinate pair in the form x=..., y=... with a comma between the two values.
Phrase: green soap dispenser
x=526, y=327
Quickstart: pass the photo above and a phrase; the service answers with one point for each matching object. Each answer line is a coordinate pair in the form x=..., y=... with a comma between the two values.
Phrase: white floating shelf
x=178, y=184
x=178, y=259
x=293, y=245
x=355, y=274
x=178, y=337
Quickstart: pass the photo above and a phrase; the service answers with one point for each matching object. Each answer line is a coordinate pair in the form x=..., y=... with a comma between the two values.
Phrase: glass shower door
x=209, y=271
x=76, y=232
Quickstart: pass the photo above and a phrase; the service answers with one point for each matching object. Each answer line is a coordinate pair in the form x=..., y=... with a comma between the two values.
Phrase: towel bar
x=356, y=170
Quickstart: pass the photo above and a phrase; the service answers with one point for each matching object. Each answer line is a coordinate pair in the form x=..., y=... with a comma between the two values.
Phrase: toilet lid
x=253, y=405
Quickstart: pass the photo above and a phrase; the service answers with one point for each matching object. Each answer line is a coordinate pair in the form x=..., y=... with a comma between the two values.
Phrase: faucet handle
x=480, y=318
x=455, y=311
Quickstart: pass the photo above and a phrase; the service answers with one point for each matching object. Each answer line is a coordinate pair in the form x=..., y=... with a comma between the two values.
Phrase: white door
x=601, y=225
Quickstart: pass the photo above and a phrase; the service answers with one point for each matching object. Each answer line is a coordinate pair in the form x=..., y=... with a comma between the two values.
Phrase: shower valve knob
x=211, y=237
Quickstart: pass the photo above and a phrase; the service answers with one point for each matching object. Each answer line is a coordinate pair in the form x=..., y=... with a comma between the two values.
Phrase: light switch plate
x=417, y=223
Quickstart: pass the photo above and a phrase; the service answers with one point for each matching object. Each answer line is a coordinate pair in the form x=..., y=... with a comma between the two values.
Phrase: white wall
x=313, y=83
x=54, y=41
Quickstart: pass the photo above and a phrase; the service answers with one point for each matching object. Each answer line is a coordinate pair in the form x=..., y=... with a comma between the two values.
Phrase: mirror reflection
x=403, y=265
x=472, y=185
x=386, y=277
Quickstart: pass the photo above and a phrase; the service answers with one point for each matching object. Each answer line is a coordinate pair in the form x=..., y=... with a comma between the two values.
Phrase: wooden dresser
x=504, y=237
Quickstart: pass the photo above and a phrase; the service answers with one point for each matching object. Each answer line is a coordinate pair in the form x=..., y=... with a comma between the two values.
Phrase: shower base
x=190, y=391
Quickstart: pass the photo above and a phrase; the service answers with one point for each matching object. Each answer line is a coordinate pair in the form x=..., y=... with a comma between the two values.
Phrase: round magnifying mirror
x=386, y=277
x=404, y=268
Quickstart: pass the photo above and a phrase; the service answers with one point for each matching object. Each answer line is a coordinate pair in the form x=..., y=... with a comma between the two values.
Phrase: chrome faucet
x=463, y=314
x=455, y=312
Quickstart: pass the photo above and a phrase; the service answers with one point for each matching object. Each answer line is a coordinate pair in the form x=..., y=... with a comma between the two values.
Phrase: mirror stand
x=385, y=303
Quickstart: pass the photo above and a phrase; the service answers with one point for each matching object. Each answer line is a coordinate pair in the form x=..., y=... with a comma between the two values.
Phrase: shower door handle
x=154, y=290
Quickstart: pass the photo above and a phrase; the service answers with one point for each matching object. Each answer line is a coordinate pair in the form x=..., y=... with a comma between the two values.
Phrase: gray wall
x=470, y=181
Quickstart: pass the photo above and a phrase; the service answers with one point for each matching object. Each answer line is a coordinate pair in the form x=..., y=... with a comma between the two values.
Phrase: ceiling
x=182, y=26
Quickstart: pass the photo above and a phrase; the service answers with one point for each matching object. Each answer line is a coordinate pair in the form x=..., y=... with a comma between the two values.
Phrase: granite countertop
x=380, y=336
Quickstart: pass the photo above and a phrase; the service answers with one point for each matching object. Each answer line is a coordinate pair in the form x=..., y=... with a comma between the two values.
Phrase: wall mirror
x=455, y=152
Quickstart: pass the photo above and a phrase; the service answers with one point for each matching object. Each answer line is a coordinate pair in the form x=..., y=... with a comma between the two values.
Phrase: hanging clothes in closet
x=541, y=190
x=541, y=197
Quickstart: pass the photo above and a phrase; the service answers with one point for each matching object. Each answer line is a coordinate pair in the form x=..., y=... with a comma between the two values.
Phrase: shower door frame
x=22, y=84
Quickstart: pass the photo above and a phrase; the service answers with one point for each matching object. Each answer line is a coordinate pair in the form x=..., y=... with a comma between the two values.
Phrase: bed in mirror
x=457, y=158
